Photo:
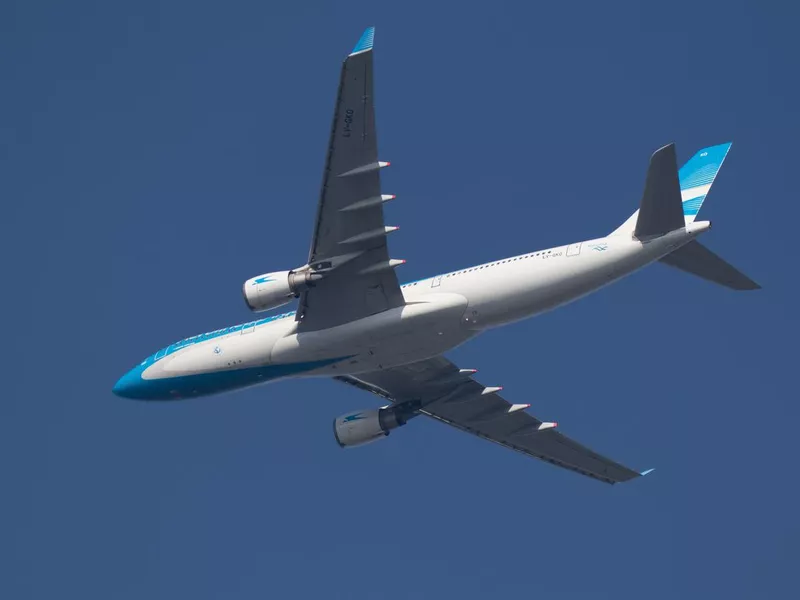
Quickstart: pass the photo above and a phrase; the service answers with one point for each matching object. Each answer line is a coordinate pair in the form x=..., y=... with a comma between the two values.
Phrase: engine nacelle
x=365, y=426
x=271, y=290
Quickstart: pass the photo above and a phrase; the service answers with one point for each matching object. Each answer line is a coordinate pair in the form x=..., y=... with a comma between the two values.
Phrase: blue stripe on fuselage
x=132, y=385
x=203, y=337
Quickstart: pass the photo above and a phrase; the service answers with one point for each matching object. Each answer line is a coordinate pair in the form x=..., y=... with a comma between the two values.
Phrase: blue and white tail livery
x=696, y=177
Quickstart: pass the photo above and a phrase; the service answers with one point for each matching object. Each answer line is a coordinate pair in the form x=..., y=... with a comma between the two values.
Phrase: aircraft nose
x=129, y=385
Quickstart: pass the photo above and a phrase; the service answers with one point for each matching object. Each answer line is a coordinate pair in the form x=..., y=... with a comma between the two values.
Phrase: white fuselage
x=440, y=313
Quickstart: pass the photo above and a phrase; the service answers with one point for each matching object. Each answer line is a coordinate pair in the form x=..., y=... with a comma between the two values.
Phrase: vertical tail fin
x=694, y=182
x=696, y=177
x=660, y=211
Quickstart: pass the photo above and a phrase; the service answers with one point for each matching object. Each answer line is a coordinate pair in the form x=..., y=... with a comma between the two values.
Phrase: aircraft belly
x=414, y=345
x=397, y=336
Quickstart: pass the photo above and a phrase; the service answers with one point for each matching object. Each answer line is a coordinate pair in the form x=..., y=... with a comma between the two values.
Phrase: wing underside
x=349, y=240
x=450, y=395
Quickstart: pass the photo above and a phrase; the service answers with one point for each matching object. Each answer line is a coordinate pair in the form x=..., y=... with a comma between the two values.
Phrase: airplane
x=356, y=324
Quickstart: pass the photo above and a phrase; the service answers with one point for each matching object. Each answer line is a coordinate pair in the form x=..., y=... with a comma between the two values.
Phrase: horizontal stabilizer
x=661, y=209
x=698, y=260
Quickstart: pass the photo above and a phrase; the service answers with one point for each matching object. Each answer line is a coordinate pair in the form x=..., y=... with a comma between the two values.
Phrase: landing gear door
x=574, y=249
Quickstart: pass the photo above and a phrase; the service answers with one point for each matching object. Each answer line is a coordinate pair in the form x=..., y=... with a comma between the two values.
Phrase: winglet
x=365, y=41
x=643, y=473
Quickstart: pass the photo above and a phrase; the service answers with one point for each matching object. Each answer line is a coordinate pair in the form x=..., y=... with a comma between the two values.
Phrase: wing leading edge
x=349, y=240
x=450, y=395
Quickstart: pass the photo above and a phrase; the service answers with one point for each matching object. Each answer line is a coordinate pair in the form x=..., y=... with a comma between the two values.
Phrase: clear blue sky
x=154, y=155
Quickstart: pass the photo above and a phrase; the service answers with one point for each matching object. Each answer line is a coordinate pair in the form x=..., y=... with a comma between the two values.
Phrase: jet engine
x=364, y=426
x=271, y=290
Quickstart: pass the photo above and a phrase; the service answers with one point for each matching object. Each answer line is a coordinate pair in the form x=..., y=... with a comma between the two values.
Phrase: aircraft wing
x=450, y=395
x=349, y=241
